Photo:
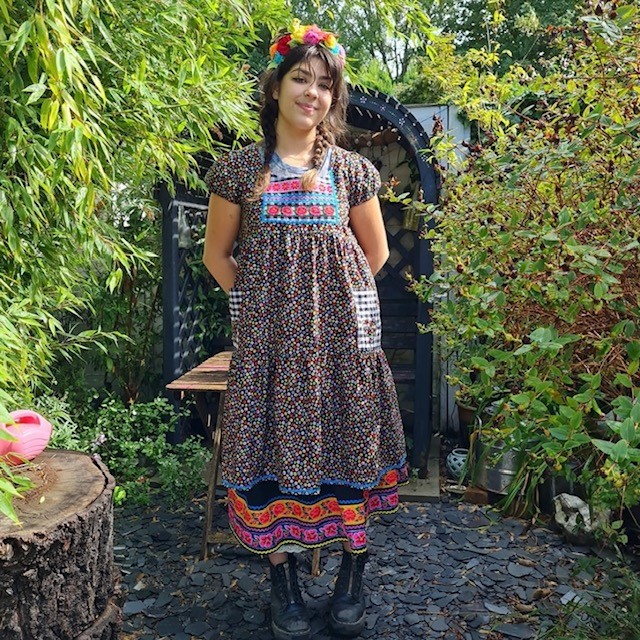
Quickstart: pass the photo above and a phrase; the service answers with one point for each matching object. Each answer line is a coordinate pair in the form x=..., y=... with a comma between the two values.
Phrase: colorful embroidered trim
x=284, y=201
x=300, y=34
x=312, y=523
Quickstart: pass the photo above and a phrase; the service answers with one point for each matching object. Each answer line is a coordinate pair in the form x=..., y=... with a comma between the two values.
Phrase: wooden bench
x=211, y=377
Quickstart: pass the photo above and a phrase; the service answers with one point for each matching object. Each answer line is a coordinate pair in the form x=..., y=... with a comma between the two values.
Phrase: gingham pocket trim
x=235, y=304
x=368, y=314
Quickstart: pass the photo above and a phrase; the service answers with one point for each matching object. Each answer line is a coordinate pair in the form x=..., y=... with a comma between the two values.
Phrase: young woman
x=312, y=437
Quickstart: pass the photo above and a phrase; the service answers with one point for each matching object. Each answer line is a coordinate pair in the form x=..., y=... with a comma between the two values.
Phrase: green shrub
x=537, y=296
x=132, y=442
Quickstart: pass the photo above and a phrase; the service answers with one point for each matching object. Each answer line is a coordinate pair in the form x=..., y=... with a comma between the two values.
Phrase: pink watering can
x=32, y=433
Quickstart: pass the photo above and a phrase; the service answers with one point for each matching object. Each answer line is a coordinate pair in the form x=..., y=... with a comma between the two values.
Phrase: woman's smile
x=307, y=108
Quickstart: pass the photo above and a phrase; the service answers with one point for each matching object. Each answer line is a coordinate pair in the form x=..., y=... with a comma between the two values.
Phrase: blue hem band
x=316, y=491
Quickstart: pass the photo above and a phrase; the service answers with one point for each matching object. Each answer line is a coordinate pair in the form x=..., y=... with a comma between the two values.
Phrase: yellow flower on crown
x=298, y=30
x=330, y=41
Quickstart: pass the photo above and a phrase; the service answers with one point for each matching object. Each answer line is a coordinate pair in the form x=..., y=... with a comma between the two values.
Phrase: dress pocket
x=235, y=305
x=368, y=316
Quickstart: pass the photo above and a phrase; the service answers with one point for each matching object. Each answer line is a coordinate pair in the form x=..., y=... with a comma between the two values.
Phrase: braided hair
x=331, y=129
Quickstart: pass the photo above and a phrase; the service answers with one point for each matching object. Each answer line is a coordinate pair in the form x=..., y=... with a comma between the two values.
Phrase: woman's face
x=304, y=95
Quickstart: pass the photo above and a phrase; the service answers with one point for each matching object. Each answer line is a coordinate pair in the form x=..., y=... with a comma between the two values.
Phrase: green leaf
x=600, y=289
x=6, y=508
x=629, y=431
x=521, y=399
x=624, y=380
x=561, y=433
x=525, y=348
x=7, y=487
x=604, y=445
x=633, y=350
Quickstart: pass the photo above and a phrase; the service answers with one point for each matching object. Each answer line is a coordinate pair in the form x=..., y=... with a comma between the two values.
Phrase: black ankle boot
x=347, y=605
x=289, y=617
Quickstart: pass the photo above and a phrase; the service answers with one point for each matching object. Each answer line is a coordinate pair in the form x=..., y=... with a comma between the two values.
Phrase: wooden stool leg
x=315, y=563
x=213, y=480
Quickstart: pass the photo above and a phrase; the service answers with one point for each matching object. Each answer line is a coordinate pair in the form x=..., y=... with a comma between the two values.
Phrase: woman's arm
x=223, y=224
x=368, y=227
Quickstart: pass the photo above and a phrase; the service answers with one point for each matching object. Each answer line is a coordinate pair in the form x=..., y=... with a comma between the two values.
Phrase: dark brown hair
x=328, y=131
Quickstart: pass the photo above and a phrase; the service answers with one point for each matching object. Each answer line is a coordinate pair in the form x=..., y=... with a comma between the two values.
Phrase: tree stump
x=57, y=576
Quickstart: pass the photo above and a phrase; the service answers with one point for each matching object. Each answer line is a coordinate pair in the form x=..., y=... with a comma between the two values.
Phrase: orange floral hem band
x=338, y=513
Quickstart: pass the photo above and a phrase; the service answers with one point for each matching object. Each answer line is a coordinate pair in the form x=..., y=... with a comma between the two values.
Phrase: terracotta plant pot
x=466, y=418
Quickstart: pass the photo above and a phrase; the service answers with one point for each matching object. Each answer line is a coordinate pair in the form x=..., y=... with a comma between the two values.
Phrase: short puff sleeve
x=224, y=179
x=364, y=179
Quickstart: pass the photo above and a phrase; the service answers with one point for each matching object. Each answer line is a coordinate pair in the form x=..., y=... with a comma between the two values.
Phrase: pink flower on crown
x=287, y=210
x=314, y=35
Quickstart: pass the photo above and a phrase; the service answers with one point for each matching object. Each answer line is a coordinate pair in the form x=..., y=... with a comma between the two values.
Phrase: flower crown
x=309, y=34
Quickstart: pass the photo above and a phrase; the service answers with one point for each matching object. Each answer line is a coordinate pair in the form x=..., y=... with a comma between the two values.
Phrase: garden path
x=449, y=571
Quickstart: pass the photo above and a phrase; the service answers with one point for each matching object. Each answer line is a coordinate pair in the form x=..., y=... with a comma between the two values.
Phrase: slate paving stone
x=197, y=579
x=466, y=595
x=136, y=606
x=434, y=587
x=197, y=628
x=520, y=631
x=163, y=599
x=518, y=570
x=254, y=616
x=497, y=608
x=169, y=626
x=439, y=624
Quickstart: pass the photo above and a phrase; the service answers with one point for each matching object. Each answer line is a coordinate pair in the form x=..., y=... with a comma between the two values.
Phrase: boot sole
x=281, y=634
x=343, y=629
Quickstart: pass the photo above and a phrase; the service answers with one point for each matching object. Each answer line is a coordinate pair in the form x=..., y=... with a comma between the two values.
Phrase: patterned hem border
x=305, y=545
x=315, y=491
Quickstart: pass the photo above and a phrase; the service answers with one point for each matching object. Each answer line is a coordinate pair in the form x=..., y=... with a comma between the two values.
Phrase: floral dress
x=312, y=437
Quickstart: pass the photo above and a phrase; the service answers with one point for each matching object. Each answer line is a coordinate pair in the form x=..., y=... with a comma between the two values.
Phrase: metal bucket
x=496, y=467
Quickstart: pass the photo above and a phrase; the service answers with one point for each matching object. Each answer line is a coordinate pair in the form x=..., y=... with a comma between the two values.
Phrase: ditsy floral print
x=311, y=422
